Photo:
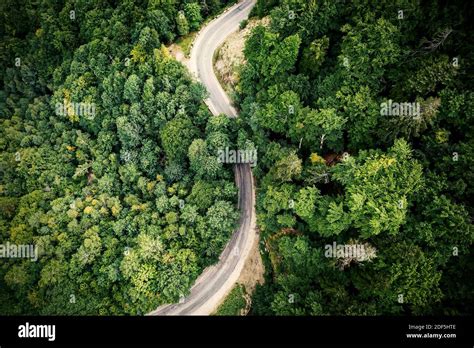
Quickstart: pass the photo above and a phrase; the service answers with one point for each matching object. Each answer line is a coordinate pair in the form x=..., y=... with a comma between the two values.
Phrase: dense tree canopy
x=363, y=115
x=98, y=171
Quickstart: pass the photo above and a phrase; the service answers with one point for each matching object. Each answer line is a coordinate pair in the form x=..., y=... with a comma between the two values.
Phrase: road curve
x=216, y=281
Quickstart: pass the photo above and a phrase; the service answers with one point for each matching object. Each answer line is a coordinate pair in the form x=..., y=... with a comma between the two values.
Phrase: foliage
x=234, y=303
x=123, y=219
x=337, y=168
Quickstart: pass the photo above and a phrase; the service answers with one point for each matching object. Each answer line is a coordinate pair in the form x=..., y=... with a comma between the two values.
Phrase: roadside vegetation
x=229, y=58
x=107, y=158
x=362, y=114
x=234, y=303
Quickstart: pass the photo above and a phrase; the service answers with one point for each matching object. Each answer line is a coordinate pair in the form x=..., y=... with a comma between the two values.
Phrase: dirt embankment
x=229, y=57
x=253, y=271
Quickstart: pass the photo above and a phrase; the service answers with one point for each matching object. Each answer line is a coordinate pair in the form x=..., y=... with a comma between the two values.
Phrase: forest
x=361, y=116
x=362, y=113
x=106, y=157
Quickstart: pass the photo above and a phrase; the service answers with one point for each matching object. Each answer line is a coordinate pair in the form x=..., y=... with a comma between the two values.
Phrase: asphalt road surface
x=216, y=281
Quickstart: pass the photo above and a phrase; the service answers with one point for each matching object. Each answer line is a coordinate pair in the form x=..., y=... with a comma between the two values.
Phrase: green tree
x=192, y=11
x=379, y=187
x=176, y=136
x=182, y=24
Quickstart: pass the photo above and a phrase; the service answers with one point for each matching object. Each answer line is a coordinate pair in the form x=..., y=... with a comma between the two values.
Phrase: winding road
x=213, y=285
